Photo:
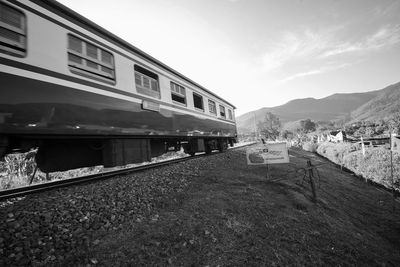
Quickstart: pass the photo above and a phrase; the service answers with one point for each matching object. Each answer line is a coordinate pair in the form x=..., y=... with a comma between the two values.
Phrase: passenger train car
x=85, y=97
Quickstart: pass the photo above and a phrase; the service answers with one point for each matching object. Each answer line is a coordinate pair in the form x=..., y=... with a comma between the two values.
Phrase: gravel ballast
x=57, y=227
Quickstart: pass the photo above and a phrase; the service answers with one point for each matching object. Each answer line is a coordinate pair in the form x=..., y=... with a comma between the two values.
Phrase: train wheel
x=3, y=146
x=188, y=150
x=231, y=143
x=208, y=148
x=222, y=145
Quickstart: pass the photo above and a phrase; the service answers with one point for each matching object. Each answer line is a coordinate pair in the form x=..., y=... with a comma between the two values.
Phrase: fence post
x=391, y=173
x=311, y=177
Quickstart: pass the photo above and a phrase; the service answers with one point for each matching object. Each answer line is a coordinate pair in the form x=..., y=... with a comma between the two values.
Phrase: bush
x=335, y=152
x=375, y=165
x=16, y=169
x=310, y=146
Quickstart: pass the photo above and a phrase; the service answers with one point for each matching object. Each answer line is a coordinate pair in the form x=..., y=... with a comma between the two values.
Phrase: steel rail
x=37, y=188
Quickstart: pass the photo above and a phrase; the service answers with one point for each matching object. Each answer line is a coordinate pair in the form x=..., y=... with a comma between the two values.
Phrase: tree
x=287, y=135
x=307, y=125
x=370, y=131
x=360, y=131
x=270, y=126
x=394, y=123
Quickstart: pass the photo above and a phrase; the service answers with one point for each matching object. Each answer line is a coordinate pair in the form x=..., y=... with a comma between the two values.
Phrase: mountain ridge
x=369, y=105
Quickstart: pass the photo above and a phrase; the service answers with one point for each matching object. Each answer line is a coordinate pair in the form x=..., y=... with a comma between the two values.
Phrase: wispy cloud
x=384, y=11
x=301, y=74
x=385, y=37
x=308, y=48
x=294, y=47
x=321, y=70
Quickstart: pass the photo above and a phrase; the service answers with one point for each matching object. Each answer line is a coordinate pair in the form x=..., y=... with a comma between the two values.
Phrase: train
x=83, y=97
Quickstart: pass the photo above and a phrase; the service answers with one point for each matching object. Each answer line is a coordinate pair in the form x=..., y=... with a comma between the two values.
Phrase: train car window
x=12, y=31
x=222, y=111
x=90, y=60
x=178, y=93
x=212, y=107
x=230, y=116
x=146, y=82
x=198, y=101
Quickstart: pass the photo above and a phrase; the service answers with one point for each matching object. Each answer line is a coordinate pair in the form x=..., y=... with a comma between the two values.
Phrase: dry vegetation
x=375, y=165
x=16, y=169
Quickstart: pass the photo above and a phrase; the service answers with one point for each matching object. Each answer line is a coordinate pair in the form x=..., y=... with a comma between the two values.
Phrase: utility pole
x=255, y=126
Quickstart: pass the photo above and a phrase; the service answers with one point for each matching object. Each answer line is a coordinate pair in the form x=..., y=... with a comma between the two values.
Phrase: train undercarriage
x=61, y=154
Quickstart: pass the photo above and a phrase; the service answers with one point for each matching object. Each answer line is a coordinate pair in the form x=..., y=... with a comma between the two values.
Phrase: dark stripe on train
x=29, y=106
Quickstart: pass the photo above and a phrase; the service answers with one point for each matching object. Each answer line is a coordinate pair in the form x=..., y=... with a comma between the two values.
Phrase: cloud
x=301, y=74
x=386, y=10
x=328, y=68
x=293, y=47
x=385, y=37
x=296, y=50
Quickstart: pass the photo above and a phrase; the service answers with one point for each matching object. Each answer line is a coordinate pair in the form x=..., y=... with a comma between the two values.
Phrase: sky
x=262, y=53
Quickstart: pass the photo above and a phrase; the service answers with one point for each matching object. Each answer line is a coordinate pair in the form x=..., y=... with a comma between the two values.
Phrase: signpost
x=362, y=147
x=276, y=153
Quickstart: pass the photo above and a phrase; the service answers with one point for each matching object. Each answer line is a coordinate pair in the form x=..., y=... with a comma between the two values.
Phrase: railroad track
x=37, y=188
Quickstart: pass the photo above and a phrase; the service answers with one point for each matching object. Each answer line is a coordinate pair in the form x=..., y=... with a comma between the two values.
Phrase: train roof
x=80, y=20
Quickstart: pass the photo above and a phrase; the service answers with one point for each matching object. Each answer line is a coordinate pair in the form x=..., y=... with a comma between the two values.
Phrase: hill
x=383, y=106
x=324, y=109
x=368, y=106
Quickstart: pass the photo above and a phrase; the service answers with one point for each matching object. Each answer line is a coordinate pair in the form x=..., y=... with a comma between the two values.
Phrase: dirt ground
x=232, y=215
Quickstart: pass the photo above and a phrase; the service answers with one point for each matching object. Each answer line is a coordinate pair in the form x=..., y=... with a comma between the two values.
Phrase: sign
x=150, y=106
x=395, y=143
x=270, y=153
